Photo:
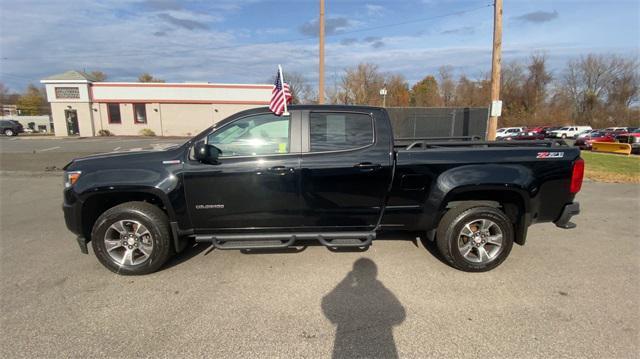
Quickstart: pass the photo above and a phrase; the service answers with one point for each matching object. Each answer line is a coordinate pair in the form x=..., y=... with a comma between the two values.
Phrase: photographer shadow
x=365, y=312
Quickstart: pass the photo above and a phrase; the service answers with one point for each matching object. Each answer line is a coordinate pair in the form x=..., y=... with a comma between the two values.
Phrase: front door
x=71, y=117
x=255, y=184
x=345, y=172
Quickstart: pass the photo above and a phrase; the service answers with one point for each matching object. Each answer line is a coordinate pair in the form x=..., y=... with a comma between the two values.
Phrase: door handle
x=367, y=166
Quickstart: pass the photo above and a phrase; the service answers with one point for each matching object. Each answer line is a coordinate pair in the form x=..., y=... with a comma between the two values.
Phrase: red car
x=540, y=129
x=524, y=136
x=585, y=142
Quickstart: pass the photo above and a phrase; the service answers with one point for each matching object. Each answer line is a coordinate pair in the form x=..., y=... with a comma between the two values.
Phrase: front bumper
x=72, y=210
x=569, y=210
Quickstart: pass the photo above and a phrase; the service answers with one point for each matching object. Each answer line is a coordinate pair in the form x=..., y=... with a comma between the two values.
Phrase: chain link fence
x=439, y=122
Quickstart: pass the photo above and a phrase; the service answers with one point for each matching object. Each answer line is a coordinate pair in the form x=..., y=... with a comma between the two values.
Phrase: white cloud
x=374, y=10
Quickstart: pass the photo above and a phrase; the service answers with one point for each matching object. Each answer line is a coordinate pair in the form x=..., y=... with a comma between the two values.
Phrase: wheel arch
x=513, y=202
x=99, y=201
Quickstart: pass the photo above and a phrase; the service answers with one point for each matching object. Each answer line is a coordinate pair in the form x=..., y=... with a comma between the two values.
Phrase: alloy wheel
x=128, y=242
x=480, y=241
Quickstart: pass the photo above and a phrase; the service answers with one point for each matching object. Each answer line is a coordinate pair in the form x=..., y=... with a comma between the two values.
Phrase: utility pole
x=321, y=68
x=495, y=67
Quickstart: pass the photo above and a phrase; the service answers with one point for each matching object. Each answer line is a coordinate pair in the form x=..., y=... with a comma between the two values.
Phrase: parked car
x=541, y=129
x=547, y=131
x=585, y=143
x=10, y=127
x=632, y=138
x=524, y=136
x=508, y=131
x=584, y=133
x=568, y=131
x=616, y=130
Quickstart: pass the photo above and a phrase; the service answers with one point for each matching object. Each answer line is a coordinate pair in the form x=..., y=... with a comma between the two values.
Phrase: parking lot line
x=49, y=149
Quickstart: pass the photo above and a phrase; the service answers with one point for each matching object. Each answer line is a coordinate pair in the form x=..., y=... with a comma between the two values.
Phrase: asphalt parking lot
x=567, y=293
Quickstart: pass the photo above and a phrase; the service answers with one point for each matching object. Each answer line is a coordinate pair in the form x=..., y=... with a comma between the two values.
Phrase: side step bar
x=284, y=240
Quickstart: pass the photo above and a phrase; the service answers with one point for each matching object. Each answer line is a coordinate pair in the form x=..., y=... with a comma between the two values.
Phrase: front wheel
x=475, y=239
x=564, y=136
x=132, y=238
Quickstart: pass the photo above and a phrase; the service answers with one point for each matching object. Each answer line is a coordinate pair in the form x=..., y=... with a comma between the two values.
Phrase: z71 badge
x=550, y=155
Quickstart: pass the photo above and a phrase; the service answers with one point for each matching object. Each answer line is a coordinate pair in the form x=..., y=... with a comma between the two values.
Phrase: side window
x=263, y=134
x=339, y=131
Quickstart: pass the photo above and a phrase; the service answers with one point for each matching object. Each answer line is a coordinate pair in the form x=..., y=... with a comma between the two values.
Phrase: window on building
x=263, y=134
x=140, y=113
x=339, y=131
x=113, y=109
x=67, y=92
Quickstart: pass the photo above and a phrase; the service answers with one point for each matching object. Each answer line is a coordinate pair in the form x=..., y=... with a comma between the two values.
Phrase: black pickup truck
x=328, y=173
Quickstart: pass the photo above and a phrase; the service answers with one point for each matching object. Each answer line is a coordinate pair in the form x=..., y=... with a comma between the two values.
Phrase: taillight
x=577, y=175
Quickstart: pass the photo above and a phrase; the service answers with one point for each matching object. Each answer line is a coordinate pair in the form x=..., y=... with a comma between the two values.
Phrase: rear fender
x=493, y=181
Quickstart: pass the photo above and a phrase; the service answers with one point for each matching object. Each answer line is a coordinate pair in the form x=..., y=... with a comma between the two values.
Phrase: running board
x=284, y=240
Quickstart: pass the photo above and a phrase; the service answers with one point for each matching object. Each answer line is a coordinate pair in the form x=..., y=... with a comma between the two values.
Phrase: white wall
x=177, y=93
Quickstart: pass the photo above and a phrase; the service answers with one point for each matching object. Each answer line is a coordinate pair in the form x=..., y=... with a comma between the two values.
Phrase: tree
x=471, y=93
x=602, y=89
x=361, y=85
x=98, y=75
x=33, y=102
x=147, y=77
x=397, y=91
x=425, y=93
x=535, y=91
x=301, y=91
x=447, y=85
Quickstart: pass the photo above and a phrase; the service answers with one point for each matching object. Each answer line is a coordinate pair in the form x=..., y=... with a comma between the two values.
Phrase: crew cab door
x=255, y=182
x=345, y=169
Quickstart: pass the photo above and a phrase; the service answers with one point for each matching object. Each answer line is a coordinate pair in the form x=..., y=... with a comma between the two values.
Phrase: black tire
x=451, y=226
x=9, y=132
x=564, y=136
x=153, y=218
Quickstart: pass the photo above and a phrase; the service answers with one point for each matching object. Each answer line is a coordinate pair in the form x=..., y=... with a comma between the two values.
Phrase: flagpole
x=284, y=94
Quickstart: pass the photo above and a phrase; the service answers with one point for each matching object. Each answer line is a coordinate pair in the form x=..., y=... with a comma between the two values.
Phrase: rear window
x=339, y=131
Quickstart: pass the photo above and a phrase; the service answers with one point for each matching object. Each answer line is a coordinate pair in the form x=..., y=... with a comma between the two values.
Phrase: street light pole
x=383, y=93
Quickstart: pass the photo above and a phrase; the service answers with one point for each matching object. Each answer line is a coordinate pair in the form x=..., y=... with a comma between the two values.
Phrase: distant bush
x=105, y=133
x=147, y=132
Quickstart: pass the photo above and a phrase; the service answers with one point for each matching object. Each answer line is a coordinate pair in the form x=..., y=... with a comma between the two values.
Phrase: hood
x=127, y=158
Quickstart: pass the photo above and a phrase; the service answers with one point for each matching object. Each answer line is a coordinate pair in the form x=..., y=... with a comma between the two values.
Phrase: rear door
x=345, y=169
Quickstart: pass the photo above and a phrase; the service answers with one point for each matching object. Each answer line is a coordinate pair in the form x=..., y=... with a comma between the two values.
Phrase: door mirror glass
x=206, y=153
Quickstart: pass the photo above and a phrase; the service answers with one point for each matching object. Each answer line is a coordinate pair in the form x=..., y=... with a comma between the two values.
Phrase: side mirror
x=206, y=153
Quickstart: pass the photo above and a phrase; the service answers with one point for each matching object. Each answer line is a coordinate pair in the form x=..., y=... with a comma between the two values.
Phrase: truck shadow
x=364, y=312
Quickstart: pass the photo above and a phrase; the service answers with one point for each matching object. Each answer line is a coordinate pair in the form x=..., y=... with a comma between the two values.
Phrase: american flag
x=279, y=95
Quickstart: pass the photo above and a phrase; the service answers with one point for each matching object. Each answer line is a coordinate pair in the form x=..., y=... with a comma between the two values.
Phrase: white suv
x=508, y=132
x=569, y=131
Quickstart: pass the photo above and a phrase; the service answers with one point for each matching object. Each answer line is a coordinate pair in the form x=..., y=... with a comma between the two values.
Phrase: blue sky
x=242, y=41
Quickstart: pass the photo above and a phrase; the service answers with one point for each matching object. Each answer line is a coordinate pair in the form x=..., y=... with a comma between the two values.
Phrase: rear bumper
x=569, y=210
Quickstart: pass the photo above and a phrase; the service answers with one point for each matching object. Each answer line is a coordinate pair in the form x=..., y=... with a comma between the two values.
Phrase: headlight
x=71, y=177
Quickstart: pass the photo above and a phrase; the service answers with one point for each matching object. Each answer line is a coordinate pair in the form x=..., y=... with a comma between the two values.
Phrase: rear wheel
x=132, y=238
x=475, y=239
x=9, y=132
x=564, y=135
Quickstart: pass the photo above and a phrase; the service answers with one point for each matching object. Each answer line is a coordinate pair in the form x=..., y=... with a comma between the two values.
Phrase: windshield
x=564, y=129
